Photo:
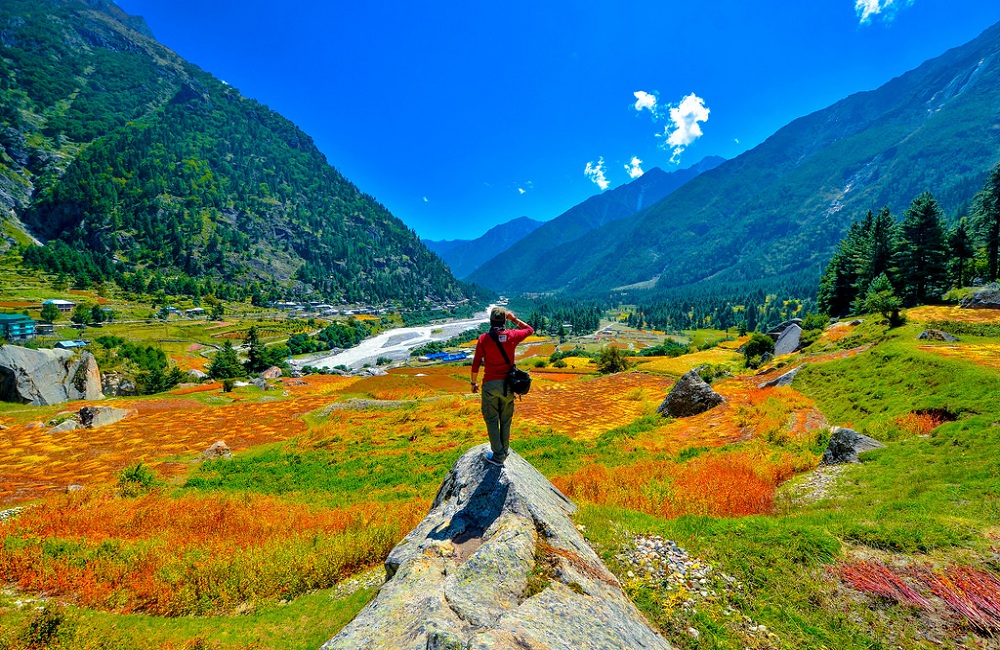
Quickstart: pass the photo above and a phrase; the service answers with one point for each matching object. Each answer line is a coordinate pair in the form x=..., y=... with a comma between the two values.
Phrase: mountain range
x=775, y=212
x=463, y=256
x=142, y=164
x=526, y=258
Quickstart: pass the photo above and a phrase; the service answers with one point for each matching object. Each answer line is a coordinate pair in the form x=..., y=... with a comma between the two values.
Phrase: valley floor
x=720, y=526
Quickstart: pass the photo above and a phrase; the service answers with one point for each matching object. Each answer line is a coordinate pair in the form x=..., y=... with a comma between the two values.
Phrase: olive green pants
x=498, y=411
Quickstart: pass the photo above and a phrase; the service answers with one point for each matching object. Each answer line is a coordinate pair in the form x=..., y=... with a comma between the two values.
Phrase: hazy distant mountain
x=463, y=256
x=778, y=210
x=523, y=260
x=139, y=167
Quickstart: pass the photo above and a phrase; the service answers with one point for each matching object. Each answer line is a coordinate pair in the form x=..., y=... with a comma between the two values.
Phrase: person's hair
x=498, y=316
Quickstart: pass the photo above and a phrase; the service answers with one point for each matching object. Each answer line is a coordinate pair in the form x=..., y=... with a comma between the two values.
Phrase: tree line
x=883, y=264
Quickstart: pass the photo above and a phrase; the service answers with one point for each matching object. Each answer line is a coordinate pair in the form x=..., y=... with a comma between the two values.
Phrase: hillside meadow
x=279, y=546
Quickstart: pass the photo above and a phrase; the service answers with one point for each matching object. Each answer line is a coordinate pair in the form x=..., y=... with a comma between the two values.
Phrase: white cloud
x=885, y=9
x=684, y=127
x=521, y=190
x=596, y=173
x=633, y=168
x=644, y=100
x=425, y=200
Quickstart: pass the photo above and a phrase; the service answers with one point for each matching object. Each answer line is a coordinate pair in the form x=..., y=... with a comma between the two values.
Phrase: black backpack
x=518, y=381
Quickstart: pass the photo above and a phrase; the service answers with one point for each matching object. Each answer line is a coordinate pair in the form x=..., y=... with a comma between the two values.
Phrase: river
x=392, y=344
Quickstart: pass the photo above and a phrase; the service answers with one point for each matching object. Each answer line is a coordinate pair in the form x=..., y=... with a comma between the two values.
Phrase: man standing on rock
x=498, y=401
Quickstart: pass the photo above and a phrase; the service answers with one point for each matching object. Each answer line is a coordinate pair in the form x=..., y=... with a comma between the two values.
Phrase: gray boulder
x=260, y=383
x=689, y=396
x=46, y=377
x=937, y=335
x=784, y=380
x=987, y=297
x=115, y=384
x=845, y=445
x=776, y=332
x=218, y=450
x=788, y=341
x=197, y=375
x=497, y=564
x=65, y=425
x=101, y=416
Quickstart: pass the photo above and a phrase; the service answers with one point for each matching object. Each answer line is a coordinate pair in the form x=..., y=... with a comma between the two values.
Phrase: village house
x=16, y=327
x=61, y=305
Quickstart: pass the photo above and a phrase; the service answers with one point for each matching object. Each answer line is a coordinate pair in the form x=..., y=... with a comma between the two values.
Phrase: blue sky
x=459, y=116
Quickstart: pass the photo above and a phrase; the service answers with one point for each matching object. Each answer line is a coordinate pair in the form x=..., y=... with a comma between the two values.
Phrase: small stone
x=693, y=633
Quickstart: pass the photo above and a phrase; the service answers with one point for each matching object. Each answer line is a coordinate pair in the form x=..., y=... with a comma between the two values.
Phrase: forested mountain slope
x=777, y=211
x=146, y=165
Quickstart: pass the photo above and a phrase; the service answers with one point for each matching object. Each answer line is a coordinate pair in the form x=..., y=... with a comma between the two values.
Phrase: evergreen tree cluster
x=884, y=264
x=341, y=335
x=551, y=315
x=151, y=370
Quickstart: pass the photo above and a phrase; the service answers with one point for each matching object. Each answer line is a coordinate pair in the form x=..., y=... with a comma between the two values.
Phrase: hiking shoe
x=489, y=459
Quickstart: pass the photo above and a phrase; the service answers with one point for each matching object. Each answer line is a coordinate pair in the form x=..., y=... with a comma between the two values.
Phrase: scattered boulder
x=115, y=384
x=46, y=377
x=784, y=380
x=496, y=564
x=274, y=372
x=260, y=383
x=845, y=445
x=374, y=372
x=65, y=425
x=788, y=341
x=937, y=335
x=101, y=416
x=987, y=297
x=76, y=487
x=218, y=450
x=689, y=396
x=197, y=375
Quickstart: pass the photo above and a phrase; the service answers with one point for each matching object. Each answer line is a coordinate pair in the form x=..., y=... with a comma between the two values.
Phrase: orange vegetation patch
x=731, y=484
x=983, y=354
x=37, y=462
x=444, y=378
x=219, y=324
x=837, y=332
x=186, y=362
x=395, y=386
x=585, y=409
x=929, y=314
x=17, y=304
x=194, y=347
x=193, y=554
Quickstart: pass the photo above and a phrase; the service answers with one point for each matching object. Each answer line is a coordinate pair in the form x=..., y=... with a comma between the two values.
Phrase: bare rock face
x=496, y=565
x=689, y=396
x=845, y=445
x=788, y=341
x=45, y=377
x=783, y=380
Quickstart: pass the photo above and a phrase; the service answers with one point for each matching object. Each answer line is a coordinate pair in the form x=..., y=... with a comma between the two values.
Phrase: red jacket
x=488, y=354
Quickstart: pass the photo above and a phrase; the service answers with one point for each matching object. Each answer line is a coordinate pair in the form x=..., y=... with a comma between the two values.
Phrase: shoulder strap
x=496, y=339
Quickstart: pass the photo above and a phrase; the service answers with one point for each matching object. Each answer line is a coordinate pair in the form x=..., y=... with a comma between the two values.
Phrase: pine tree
x=255, y=351
x=922, y=254
x=226, y=364
x=986, y=221
x=961, y=250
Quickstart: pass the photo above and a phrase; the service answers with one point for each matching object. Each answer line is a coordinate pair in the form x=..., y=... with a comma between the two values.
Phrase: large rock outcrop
x=987, y=297
x=689, y=396
x=497, y=565
x=44, y=377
